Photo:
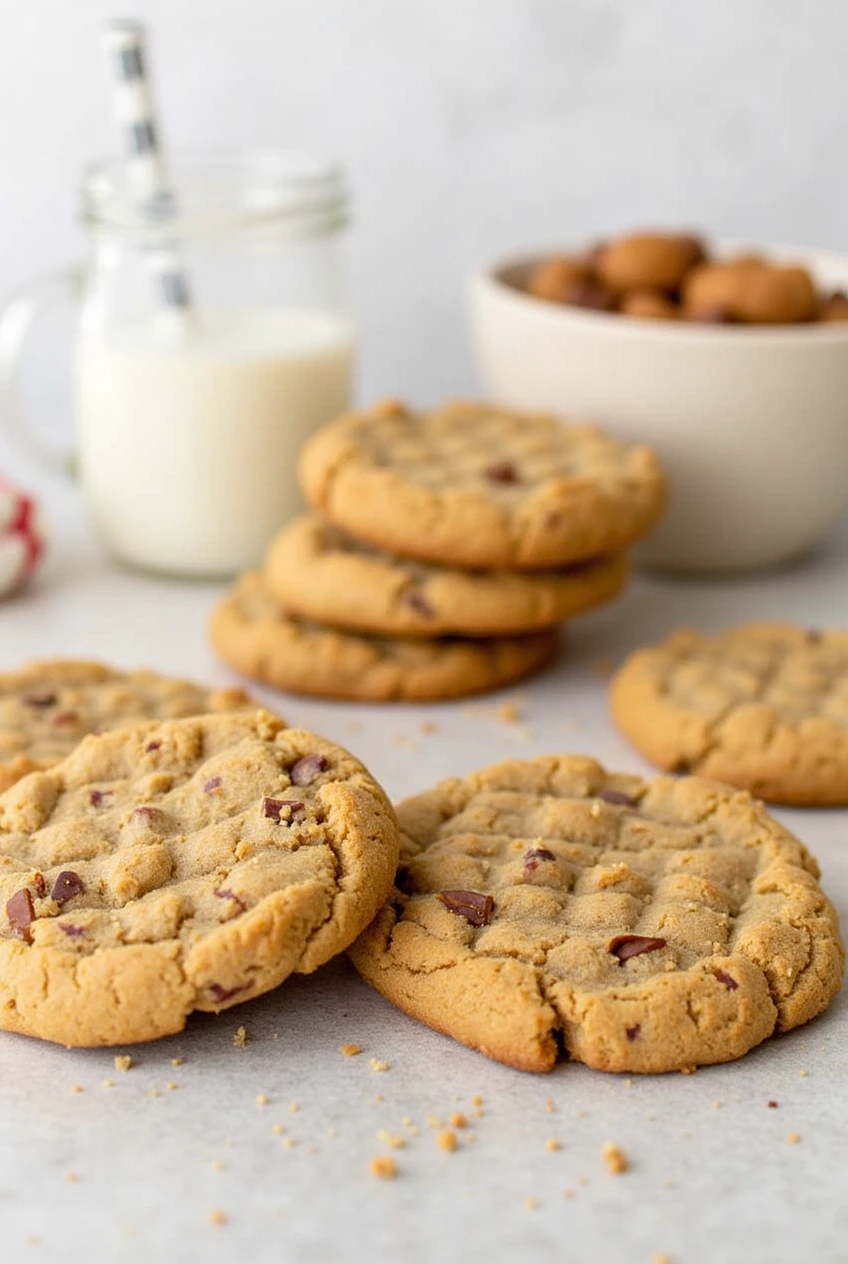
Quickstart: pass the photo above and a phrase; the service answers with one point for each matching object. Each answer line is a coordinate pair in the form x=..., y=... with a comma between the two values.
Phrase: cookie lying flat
x=763, y=706
x=186, y=865
x=475, y=486
x=252, y=633
x=47, y=708
x=648, y=926
x=318, y=572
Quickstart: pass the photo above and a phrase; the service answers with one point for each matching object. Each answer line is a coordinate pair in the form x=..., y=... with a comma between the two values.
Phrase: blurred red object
x=22, y=537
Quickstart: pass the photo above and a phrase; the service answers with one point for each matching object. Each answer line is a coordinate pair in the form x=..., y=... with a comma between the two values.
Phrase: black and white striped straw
x=125, y=44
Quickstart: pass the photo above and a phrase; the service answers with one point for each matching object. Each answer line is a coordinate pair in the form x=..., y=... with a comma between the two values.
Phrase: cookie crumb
x=793, y=1138
x=660, y=1257
x=458, y=1120
x=429, y=726
x=77, y=1088
x=123, y=1062
x=331, y=1132
x=289, y=1142
x=71, y=1178
x=772, y=1105
x=446, y=1139
x=393, y=1140
x=108, y=1083
x=476, y=1100
x=568, y=1193
x=217, y=1217
x=717, y=1105
x=216, y=1165
x=378, y=1097
x=509, y=713
x=177, y=1061
x=552, y=1144
x=581, y=1180
x=277, y=1130
x=615, y=1159
x=550, y=1106
x=377, y=1064
x=478, y=1112
x=531, y=1203
x=432, y=1121
x=154, y=1092
x=350, y=1050
x=241, y=1038
x=383, y=1166
x=172, y=1085
x=261, y=1099
x=293, y=1108
x=803, y=1074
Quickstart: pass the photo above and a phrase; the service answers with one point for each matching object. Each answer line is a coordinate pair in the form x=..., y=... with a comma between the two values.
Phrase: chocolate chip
x=304, y=772
x=772, y=1105
x=617, y=797
x=97, y=797
x=63, y=719
x=419, y=604
x=274, y=809
x=474, y=906
x=67, y=885
x=589, y=294
x=626, y=946
x=224, y=893
x=39, y=884
x=728, y=982
x=633, y=1032
x=152, y=746
x=146, y=814
x=21, y=913
x=222, y=994
x=502, y=472
x=39, y=699
x=712, y=314
x=73, y=932
x=534, y=857
x=212, y=784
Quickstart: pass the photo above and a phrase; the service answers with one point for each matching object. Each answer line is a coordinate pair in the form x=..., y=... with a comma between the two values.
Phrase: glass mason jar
x=212, y=341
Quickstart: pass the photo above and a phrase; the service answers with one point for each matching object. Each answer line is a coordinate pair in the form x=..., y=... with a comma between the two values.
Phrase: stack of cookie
x=444, y=550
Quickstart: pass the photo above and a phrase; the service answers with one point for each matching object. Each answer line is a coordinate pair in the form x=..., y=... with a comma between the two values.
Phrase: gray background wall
x=471, y=127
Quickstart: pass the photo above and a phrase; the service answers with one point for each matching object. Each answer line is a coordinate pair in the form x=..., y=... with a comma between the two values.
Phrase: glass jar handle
x=17, y=321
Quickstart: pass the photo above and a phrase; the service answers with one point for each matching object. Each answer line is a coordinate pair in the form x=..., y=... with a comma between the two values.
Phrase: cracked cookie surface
x=645, y=926
x=46, y=708
x=254, y=635
x=319, y=572
x=763, y=706
x=476, y=486
x=178, y=866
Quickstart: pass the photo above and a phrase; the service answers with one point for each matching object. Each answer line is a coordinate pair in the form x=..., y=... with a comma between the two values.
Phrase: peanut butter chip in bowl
x=547, y=905
x=121, y=915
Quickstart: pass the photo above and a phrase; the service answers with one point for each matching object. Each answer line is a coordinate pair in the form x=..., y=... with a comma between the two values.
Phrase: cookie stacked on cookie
x=443, y=550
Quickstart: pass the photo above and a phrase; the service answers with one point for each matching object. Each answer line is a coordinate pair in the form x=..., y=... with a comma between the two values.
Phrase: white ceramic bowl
x=751, y=423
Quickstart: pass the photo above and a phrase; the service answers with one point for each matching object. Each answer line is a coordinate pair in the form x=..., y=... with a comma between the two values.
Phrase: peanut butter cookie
x=254, y=635
x=763, y=706
x=47, y=708
x=469, y=485
x=642, y=926
x=178, y=866
x=318, y=572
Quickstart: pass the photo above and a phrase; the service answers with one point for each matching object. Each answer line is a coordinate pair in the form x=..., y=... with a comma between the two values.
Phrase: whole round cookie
x=46, y=708
x=255, y=636
x=470, y=485
x=642, y=926
x=178, y=866
x=318, y=572
x=763, y=706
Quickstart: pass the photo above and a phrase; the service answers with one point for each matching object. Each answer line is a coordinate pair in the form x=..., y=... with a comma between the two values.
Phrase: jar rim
x=218, y=191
